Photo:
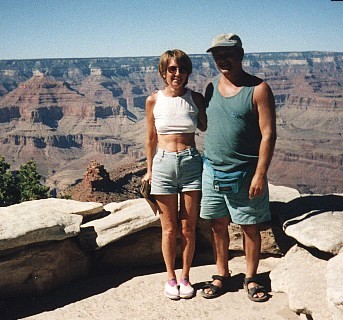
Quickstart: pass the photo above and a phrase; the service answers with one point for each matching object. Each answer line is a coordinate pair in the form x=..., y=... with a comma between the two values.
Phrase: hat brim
x=223, y=45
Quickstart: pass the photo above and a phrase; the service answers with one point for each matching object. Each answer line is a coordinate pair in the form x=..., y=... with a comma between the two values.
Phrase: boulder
x=139, y=249
x=125, y=218
x=302, y=276
x=42, y=220
x=321, y=230
x=334, y=291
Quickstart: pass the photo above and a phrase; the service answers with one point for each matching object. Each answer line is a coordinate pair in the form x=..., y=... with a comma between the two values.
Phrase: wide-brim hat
x=225, y=40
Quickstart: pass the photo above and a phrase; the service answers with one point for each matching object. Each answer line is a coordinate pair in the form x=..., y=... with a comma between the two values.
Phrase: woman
x=174, y=165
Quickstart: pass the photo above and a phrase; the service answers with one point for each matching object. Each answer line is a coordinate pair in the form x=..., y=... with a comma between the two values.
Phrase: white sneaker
x=186, y=289
x=171, y=290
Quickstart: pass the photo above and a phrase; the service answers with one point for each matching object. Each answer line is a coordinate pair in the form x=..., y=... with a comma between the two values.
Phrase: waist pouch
x=226, y=182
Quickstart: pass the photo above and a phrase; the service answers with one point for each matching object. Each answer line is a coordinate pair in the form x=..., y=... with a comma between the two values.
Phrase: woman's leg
x=189, y=212
x=168, y=205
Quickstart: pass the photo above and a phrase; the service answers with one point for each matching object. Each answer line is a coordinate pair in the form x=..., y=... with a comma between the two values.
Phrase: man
x=239, y=144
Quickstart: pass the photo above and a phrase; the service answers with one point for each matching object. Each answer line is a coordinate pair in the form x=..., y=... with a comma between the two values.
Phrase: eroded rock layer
x=63, y=113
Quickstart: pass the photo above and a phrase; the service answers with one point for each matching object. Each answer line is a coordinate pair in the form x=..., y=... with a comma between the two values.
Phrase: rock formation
x=96, y=178
x=311, y=271
x=100, y=186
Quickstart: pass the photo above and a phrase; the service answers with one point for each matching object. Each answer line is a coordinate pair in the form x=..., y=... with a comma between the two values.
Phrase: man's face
x=226, y=58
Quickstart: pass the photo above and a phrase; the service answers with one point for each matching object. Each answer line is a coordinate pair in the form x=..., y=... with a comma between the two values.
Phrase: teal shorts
x=238, y=207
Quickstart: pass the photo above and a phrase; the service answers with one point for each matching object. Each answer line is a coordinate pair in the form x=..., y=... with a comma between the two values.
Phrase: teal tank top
x=233, y=135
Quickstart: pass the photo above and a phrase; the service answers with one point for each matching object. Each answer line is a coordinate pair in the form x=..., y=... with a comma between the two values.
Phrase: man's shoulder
x=259, y=84
x=261, y=87
x=252, y=81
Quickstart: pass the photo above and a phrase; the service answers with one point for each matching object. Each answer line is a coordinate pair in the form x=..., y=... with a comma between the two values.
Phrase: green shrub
x=22, y=185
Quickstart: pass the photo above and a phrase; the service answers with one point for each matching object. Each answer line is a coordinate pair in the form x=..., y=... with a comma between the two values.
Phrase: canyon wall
x=63, y=113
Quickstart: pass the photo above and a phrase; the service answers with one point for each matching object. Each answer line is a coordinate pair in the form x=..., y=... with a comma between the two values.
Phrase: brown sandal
x=216, y=290
x=254, y=290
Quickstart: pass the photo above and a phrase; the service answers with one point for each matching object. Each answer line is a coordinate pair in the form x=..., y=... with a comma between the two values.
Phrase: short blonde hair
x=179, y=56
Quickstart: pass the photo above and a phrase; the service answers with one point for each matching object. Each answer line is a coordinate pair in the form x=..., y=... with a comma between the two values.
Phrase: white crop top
x=175, y=114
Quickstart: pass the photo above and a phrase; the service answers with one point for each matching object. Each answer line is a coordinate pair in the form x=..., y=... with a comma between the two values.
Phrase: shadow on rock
x=312, y=205
x=17, y=308
x=297, y=210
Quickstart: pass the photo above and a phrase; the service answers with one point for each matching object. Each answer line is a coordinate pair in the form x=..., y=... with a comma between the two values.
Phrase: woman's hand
x=147, y=177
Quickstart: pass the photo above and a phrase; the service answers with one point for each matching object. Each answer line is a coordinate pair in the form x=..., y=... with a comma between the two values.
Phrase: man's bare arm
x=265, y=107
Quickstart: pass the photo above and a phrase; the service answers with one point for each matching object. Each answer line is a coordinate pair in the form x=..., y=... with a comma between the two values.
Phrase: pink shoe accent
x=185, y=281
x=186, y=289
x=172, y=282
x=171, y=290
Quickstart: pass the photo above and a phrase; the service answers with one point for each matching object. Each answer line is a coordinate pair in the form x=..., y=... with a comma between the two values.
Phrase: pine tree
x=8, y=191
x=28, y=183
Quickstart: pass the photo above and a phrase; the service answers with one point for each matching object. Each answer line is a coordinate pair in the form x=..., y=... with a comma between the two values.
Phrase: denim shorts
x=174, y=172
x=238, y=207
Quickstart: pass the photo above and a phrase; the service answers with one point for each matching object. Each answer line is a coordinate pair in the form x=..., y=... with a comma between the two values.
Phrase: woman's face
x=175, y=75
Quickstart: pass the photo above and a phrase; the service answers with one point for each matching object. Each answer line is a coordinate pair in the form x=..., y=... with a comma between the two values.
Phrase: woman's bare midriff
x=175, y=142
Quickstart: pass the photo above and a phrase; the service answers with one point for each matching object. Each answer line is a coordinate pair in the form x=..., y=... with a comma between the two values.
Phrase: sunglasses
x=224, y=54
x=173, y=69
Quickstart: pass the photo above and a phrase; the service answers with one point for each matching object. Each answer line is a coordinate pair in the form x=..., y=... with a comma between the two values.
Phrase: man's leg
x=220, y=238
x=252, y=248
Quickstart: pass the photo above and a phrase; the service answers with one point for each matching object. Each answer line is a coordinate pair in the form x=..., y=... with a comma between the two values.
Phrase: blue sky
x=115, y=28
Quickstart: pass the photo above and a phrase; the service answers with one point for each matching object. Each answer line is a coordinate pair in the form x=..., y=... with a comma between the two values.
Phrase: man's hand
x=258, y=183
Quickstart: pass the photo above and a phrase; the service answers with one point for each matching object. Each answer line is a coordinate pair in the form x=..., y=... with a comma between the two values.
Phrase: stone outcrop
x=43, y=220
x=302, y=276
x=38, y=243
x=125, y=218
x=45, y=244
x=311, y=230
x=96, y=177
x=334, y=280
x=311, y=271
x=39, y=268
x=100, y=186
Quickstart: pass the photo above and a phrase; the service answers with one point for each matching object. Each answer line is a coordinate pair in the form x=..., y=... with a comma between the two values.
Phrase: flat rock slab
x=126, y=217
x=282, y=194
x=321, y=230
x=42, y=220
